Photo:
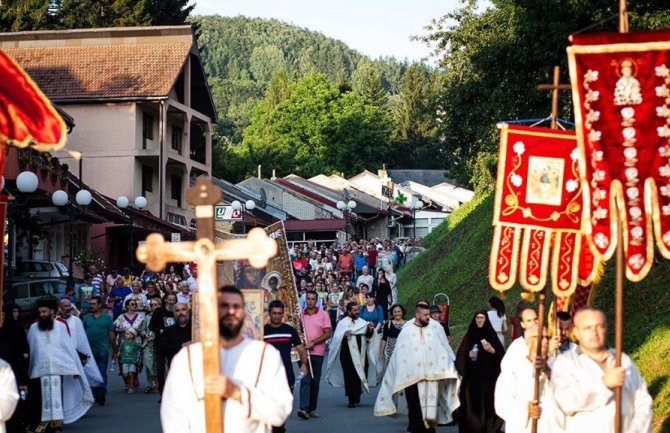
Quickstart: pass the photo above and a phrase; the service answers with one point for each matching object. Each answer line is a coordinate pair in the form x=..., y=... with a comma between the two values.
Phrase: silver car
x=41, y=269
x=25, y=292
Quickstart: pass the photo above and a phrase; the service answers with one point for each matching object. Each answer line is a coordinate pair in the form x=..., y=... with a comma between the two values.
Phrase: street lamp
x=26, y=183
x=122, y=202
x=60, y=198
x=248, y=205
x=346, y=208
x=416, y=204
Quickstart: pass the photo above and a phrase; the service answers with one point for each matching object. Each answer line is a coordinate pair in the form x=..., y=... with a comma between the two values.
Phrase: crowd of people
x=136, y=322
x=355, y=337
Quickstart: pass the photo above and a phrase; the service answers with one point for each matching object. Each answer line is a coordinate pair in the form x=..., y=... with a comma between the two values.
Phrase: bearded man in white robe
x=515, y=386
x=253, y=388
x=422, y=366
x=583, y=382
x=56, y=373
x=80, y=342
x=347, y=363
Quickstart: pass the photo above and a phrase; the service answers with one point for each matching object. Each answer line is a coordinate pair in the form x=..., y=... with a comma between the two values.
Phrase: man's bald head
x=587, y=313
x=65, y=308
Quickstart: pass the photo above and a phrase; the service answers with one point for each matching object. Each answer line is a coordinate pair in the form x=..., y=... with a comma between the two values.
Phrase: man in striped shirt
x=283, y=337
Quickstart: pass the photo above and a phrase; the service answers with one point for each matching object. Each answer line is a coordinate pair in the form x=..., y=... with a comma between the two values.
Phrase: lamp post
x=60, y=198
x=26, y=183
x=248, y=205
x=346, y=208
x=415, y=205
x=122, y=202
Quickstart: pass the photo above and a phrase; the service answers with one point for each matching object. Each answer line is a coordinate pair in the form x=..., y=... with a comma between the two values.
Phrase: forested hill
x=242, y=54
x=299, y=102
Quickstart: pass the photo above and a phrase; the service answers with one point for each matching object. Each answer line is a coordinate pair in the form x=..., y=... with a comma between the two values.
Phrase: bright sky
x=372, y=27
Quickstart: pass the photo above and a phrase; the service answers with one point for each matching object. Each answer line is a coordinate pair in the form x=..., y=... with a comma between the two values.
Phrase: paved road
x=139, y=413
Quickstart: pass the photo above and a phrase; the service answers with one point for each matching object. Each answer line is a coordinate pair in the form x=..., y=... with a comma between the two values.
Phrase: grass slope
x=456, y=263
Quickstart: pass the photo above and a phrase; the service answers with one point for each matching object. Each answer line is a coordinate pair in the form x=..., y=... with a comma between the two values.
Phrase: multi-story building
x=142, y=106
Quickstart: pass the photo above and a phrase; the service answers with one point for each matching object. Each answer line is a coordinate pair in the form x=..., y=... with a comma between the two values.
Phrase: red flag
x=538, y=207
x=621, y=94
x=27, y=117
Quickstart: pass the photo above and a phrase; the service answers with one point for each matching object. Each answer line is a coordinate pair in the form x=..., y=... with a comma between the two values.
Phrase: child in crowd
x=128, y=356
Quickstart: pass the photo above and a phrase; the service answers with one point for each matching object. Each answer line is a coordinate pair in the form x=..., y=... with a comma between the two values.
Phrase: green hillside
x=456, y=263
x=242, y=54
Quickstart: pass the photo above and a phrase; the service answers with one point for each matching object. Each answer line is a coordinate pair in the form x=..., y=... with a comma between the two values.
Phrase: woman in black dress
x=382, y=290
x=479, y=369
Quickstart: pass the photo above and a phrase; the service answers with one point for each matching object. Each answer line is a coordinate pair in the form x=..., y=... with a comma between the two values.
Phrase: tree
x=19, y=15
x=492, y=60
x=416, y=120
x=316, y=129
x=366, y=80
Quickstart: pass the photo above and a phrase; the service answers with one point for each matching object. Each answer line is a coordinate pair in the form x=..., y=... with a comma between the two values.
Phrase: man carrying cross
x=253, y=388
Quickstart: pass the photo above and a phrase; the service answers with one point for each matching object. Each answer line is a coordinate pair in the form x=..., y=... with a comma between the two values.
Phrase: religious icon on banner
x=538, y=207
x=276, y=279
x=246, y=276
x=621, y=94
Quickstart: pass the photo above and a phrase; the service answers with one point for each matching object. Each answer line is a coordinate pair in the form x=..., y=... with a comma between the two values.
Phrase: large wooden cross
x=555, y=87
x=258, y=248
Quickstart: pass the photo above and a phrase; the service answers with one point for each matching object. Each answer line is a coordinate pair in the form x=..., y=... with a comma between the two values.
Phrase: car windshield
x=61, y=268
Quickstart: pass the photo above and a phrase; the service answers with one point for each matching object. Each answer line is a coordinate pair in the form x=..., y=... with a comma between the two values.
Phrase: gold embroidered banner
x=537, y=214
x=621, y=95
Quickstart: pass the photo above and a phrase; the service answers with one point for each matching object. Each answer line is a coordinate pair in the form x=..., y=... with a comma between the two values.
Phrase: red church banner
x=621, y=94
x=27, y=117
x=538, y=207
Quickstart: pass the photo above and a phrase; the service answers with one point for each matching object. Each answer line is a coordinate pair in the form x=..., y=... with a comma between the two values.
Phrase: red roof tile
x=103, y=71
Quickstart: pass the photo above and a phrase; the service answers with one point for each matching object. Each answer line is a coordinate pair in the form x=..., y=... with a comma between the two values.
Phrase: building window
x=177, y=134
x=176, y=219
x=175, y=189
x=147, y=129
x=147, y=179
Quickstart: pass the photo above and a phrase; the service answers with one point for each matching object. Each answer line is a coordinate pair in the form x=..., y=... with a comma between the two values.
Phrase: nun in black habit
x=479, y=370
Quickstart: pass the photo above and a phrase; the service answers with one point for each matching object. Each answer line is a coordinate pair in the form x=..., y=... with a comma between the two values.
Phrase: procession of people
x=350, y=342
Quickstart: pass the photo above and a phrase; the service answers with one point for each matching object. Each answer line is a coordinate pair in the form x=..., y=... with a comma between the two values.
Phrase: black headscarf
x=474, y=335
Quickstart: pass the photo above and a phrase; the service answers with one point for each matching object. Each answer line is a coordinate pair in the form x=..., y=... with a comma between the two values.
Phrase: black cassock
x=352, y=383
x=477, y=413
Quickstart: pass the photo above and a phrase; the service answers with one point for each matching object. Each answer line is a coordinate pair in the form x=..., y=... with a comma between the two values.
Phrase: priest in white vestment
x=54, y=362
x=422, y=366
x=9, y=393
x=253, y=388
x=516, y=385
x=81, y=344
x=583, y=382
x=349, y=357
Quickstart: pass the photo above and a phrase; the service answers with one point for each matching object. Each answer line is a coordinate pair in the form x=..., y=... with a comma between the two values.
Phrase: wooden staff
x=555, y=87
x=538, y=353
x=618, y=307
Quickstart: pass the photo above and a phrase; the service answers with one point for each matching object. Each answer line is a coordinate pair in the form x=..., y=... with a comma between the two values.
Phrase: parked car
x=41, y=269
x=25, y=292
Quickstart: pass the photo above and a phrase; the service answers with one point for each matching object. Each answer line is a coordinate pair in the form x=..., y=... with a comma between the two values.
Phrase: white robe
x=9, y=395
x=588, y=405
x=422, y=356
x=81, y=344
x=334, y=374
x=254, y=366
x=514, y=390
x=53, y=354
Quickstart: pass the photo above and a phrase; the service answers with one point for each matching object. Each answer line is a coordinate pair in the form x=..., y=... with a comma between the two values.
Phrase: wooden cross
x=555, y=88
x=258, y=248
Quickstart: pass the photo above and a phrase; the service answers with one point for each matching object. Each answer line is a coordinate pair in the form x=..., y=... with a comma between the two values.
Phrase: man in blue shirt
x=117, y=295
